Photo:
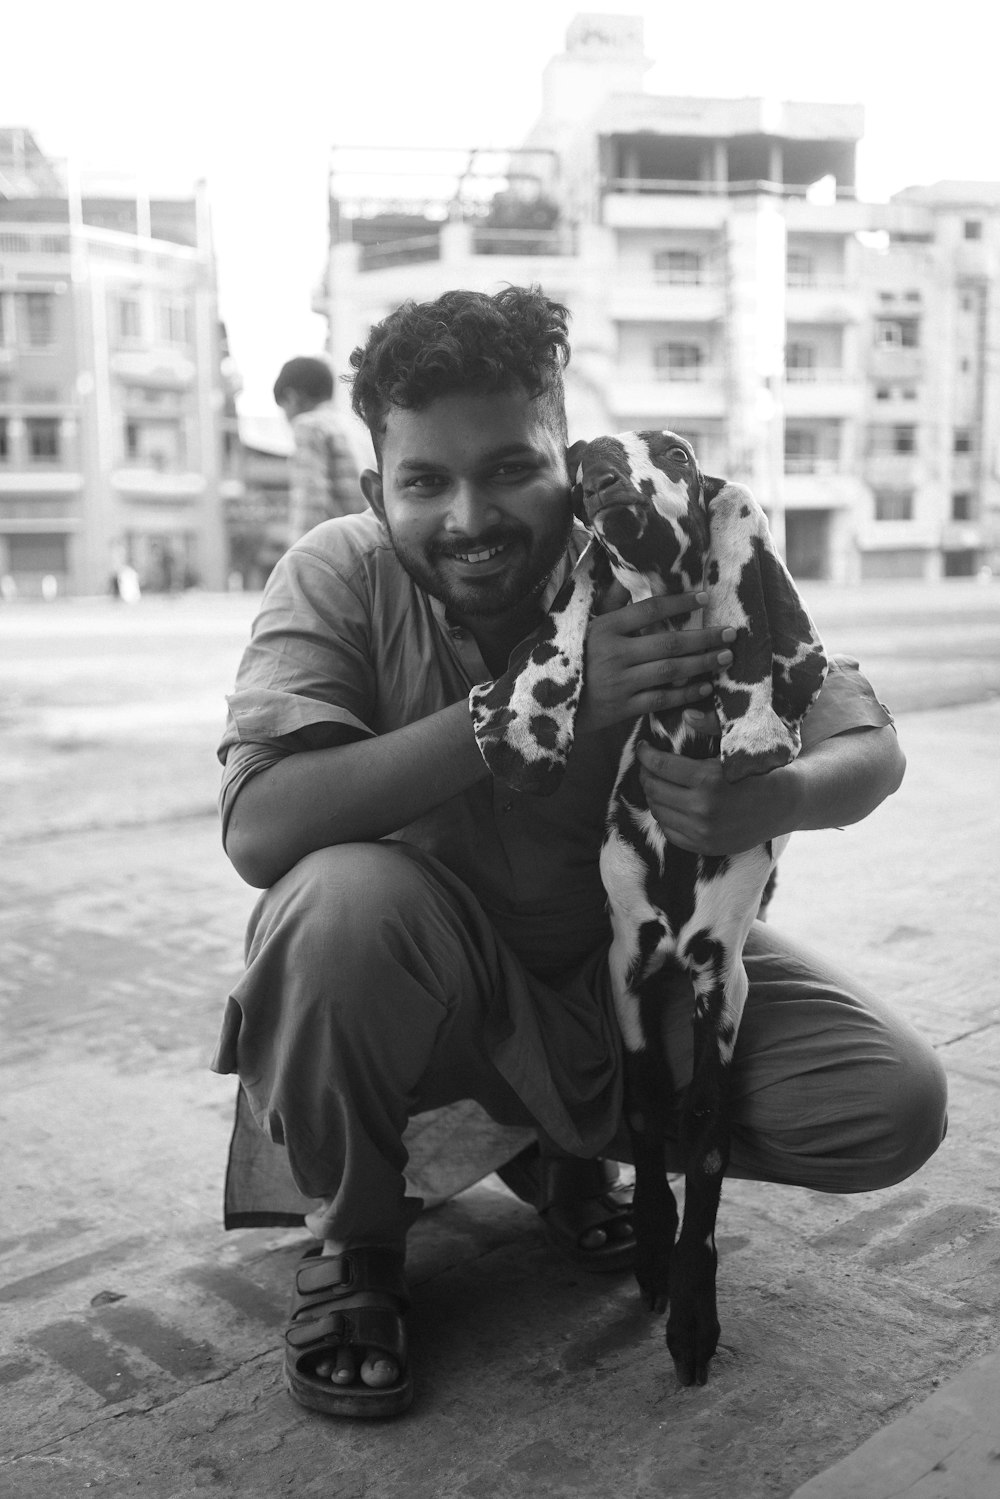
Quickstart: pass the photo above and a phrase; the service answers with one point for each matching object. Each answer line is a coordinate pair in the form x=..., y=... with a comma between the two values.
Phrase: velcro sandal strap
x=366, y=1323
x=323, y=1278
x=309, y=1330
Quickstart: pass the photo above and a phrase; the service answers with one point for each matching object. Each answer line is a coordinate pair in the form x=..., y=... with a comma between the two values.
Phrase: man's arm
x=833, y=783
x=355, y=792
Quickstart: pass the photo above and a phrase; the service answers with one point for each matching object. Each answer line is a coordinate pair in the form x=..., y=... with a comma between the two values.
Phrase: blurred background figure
x=323, y=478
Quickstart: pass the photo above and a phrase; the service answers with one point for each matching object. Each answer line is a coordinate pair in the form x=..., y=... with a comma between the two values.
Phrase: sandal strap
x=365, y=1322
x=324, y=1278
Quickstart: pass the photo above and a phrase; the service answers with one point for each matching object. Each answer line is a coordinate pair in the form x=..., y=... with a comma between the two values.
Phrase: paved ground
x=138, y=1342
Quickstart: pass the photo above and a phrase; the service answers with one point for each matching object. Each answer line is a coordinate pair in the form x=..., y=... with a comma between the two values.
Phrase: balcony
x=823, y=300
x=668, y=397
x=888, y=362
x=649, y=300
x=161, y=366
x=153, y=484
x=822, y=392
x=39, y=480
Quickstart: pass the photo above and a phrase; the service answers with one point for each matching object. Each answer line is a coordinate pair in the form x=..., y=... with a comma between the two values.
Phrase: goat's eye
x=679, y=455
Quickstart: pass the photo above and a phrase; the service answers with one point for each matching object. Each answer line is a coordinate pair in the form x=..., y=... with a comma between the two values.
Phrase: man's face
x=475, y=495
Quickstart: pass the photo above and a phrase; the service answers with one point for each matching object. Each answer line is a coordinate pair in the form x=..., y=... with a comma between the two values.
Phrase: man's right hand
x=636, y=664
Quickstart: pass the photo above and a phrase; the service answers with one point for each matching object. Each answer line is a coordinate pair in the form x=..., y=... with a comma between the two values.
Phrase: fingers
x=631, y=617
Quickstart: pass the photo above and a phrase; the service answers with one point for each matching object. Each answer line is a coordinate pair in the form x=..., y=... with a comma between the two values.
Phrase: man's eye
x=425, y=481
x=511, y=470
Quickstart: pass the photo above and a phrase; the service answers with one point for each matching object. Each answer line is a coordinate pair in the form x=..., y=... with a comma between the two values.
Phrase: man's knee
x=336, y=898
x=916, y=1105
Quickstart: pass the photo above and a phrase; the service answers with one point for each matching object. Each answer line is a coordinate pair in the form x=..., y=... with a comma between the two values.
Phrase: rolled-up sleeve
x=306, y=678
x=846, y=702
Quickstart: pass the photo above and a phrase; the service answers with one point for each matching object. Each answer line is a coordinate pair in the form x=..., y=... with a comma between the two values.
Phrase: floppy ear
x=525, y=721
x=779, y=664
x=574, y=453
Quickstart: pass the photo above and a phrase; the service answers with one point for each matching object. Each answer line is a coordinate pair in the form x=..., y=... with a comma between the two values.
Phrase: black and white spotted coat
x=679, y=919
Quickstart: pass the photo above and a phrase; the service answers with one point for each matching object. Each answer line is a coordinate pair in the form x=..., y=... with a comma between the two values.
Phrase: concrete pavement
x=139, y=1352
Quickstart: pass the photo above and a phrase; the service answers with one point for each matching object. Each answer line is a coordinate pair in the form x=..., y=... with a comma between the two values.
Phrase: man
x=323, y=476
x=428, y=937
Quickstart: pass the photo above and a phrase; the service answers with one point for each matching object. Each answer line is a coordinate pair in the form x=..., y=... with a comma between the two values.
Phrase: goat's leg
x=654, y=1208
x=693, y=1324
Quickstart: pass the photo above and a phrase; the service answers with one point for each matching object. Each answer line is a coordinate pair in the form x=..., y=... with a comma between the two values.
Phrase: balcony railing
x=490, y=241
x=712, y=189
x=810, y=463
x=816, y=375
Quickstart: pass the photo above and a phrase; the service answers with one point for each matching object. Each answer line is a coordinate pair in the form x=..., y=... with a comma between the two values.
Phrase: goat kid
x=679, y=919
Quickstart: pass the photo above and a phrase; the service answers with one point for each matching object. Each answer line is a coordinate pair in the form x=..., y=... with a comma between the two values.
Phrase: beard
x=529, y=561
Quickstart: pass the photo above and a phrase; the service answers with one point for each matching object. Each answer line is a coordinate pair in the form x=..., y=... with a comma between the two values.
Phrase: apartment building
x=111, y=390
x=839, y=357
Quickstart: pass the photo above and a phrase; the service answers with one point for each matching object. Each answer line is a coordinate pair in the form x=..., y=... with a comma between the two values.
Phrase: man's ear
x=371, y=488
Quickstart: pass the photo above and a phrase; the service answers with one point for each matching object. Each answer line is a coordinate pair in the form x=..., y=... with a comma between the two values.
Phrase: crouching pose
x=432, y=944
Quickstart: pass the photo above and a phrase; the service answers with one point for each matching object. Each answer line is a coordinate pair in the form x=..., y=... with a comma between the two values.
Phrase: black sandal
x=574, y=1196
x=358, y=1299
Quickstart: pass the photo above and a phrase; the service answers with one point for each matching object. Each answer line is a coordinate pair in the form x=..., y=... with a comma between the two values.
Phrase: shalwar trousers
x=376, y=988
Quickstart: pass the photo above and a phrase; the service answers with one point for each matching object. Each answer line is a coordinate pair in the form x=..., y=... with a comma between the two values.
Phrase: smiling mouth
x=483, y=554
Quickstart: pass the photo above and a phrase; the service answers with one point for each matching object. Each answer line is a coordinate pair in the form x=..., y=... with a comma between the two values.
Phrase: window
x=43, y=438
x=893, y=504
x=129, y=318
x=4, y=438
x=897, y=333
x=678, y=361
x=38, y=318
x=962, y=440
x=972, y=229
x=961, y=506
x=800, y=269
x=800, y=450
x=173, y=321
x=883, y=392
x=800, y=361
x=155, y=444
x=892, y=439
x=912, y=296
x=677, y=267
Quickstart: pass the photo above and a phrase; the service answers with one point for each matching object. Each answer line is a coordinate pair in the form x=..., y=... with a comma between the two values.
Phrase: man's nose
x=472, y=508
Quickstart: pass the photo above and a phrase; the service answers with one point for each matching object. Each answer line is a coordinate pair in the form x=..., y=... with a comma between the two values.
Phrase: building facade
x=111, y=390
x=841, y=358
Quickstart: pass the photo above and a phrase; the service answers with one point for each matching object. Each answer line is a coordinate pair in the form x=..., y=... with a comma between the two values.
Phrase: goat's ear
x=778, y=664
x=525, y=721
x=574, y=454
x=710, y=487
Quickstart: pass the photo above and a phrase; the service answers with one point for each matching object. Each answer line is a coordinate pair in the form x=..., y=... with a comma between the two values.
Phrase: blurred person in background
x=323, y=478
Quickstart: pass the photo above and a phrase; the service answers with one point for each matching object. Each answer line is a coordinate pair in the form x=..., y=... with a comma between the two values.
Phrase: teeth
x=483, y=556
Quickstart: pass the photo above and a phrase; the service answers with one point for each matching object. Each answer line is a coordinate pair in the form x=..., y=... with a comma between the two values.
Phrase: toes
x=341, y=1368
x=378, y=1371
x=594, y=1238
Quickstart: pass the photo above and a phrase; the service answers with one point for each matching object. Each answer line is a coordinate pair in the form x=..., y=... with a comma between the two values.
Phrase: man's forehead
x=461, y=426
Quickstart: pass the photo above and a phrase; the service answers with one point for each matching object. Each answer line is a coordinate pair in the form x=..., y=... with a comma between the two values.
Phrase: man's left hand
x=700, y=810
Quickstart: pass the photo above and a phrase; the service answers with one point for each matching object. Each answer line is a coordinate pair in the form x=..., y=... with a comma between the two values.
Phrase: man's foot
x=586, y=1211
x=345, y=1346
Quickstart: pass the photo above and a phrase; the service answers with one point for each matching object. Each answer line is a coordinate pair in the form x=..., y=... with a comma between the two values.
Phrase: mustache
x=496, y=536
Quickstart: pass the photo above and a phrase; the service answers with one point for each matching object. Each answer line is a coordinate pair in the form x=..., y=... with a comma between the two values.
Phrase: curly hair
x=464, y=342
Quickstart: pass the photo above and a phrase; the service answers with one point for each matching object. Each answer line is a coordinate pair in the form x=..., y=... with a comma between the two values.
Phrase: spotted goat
x=679, y=919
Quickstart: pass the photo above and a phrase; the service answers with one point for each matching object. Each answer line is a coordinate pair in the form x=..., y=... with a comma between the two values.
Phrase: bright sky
x=251, y=98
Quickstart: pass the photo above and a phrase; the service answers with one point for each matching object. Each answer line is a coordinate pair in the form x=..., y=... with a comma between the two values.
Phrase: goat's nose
x=596, y=483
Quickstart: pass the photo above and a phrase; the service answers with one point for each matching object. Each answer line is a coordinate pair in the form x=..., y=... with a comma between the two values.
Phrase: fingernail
x=702, y=598
x=725, y=657
x=729, y=634
x=705, y=689
x=694, y=715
